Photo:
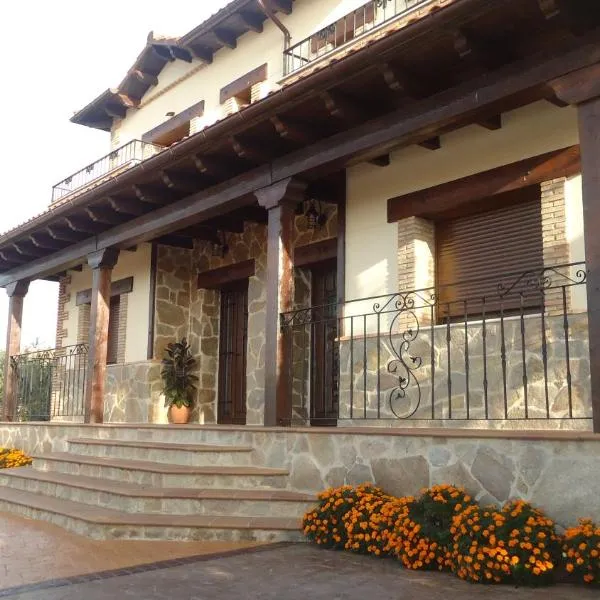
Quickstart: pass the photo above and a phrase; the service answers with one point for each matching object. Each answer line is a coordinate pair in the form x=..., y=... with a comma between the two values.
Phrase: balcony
x=108, y=166
x=354, y=25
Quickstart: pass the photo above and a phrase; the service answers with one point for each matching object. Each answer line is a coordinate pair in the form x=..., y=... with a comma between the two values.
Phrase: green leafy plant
x=179, y=382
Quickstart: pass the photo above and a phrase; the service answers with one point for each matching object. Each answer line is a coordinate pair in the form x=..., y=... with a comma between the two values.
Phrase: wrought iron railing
x=49, y=383
x=97, y=172
x=360, y=21
x=515, y=350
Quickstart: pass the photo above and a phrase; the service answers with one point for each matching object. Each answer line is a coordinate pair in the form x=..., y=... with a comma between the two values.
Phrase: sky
x=58, y=56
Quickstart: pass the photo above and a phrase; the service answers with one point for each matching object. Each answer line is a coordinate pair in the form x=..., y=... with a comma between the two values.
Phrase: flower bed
x=446, y=530
x=10, y=457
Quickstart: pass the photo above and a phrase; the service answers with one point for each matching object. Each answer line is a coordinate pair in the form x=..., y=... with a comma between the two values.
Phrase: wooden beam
x=381, y=161
x=296, y=132
x=128, y=206
x=102, y=263
x=99, y=214
x=549, y=8
x=202, y=53
x=341, y=107
x=448, y=196
x=163, y=51
x=492, y=123
x=311, y=254
x=180, y=181
x=248, y=151
x=251, y=21
x=16, y=293
x=433, y=143
x=284, y=6
x=81, y=225
x=122, y=286
x=392, y=77
x=28, y=251
x=208, y=165
x=217, y=278
x=226, y=38
x=149, y=194
x=578, y=86
x=280, y=200
x=145, y=78
x=181, y=54
x=13, y=257
x=45, y=242
x=115, y=111
x=61, y=234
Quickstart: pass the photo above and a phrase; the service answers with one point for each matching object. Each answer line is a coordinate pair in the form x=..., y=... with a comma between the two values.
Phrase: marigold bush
x=324, y=525
x=581, y=551
x=370, y=523
x=517, y=544
x=423, y=538
x=10, y=457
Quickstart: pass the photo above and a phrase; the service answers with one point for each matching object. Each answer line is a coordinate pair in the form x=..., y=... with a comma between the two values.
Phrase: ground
x=44, y=562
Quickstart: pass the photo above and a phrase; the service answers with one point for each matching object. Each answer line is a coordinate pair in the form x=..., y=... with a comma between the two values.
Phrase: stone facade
x=133, y=393
x=558, y=471
x=398, y=379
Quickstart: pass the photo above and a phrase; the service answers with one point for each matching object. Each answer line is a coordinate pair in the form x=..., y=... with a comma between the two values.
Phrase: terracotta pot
x=181, y=415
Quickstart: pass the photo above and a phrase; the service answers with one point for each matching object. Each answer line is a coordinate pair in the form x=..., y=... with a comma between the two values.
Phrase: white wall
x=372, y=242
x=131, y=264
x=574, y=210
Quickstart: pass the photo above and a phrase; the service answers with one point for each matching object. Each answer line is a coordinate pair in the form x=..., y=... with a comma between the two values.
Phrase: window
x=478, y=255
x=176, y=128
x=243, y=91
x=112, y=354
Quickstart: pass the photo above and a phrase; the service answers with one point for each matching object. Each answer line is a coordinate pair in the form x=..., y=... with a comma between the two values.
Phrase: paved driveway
x=290, y=572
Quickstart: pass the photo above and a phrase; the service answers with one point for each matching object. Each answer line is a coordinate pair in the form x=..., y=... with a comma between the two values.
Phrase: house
x=360, y=214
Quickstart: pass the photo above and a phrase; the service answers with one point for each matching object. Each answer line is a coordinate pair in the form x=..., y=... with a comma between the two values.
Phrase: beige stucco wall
x=372, y=242
x=131, y=264
x=182, y=84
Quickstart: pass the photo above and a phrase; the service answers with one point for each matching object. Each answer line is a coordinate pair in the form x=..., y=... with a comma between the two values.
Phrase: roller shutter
x=113, y=331
x=478, y=253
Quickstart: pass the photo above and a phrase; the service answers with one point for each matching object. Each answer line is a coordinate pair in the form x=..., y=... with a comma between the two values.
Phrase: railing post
x=16, y=292
x=102, y=263
x=280, y=200
x=582, y=88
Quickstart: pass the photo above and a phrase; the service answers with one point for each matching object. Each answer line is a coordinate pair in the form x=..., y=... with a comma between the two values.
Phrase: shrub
x=324, y=525
x=517, y=544
x=370, y=523
x=581, y=551
x=424, y=538
x=10, y=457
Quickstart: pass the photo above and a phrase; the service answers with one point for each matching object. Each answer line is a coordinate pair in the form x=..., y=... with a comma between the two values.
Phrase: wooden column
x=281, y=200
x=102, y=263
x=582, y=88
x=16, y=293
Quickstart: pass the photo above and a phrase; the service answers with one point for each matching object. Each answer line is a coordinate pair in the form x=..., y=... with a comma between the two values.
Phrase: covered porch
x=256, y=223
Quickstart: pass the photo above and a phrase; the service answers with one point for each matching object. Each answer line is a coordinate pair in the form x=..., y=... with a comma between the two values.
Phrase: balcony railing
x=357, y=23
x=49, y=383
x=516, y=350
x=99, y=171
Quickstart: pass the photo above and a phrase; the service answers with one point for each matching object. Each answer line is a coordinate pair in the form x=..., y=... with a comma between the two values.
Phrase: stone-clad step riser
x=107, y=532
x=182, y=480
x=165, y=456
x=175, y=506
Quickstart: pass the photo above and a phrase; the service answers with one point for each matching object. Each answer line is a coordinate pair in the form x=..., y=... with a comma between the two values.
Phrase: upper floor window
x=176, y=128
x=244, y=91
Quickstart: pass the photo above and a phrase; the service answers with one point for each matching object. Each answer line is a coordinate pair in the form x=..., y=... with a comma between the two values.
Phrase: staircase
x=114, y=488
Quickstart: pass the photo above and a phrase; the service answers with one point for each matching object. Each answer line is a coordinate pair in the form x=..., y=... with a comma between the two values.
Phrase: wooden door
x=231, y=406
x=324, y=347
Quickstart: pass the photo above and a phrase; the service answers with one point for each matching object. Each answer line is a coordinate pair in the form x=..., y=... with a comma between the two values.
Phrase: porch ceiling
x=463, y=64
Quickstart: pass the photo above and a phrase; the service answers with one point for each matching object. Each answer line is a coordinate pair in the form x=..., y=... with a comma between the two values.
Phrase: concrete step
x=161, y=452
x=104, y=523
x=136, y=498
x=161, y=474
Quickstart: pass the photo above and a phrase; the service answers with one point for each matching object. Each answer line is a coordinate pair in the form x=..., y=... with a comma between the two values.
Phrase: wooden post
x=582, y=88
x=16, y=292
x=102, y=263
x=281, y=200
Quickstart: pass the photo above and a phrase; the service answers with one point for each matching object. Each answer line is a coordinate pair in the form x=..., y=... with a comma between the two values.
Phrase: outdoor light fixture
x=170, y=114
x=220, y=247
x=315, y=218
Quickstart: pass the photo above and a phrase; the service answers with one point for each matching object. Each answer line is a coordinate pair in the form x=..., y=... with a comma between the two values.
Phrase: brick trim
x=62, y=316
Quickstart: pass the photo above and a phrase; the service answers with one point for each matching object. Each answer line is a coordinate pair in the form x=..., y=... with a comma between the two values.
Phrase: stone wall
x=400, y=380
x=133, y=393
x=558, y=471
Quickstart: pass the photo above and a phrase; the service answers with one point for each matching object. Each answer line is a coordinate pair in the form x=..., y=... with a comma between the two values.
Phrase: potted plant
x=179, y=383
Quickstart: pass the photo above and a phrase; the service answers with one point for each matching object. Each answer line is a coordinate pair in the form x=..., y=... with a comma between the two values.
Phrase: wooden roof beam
x=201, y=53
x=549, y=8
x=181, y=54
x=342, y=107
x=145, y=78
x=296, y=132
x=128, y=206
x=492, y=123
x=381, y=161
x=226, y=38
x=247, y=151
x=100, y=214
x=179, y=181
x=208, y=165
x=24, y=249
x=45, y=242
x=12, y=257
x=284, y=6
x=251, y=21
x=82, y=225
x=56, y=232
x=149, y=195
x=434, y=143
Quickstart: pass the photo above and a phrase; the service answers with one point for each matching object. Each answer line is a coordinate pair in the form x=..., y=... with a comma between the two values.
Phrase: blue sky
x=59, y=56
